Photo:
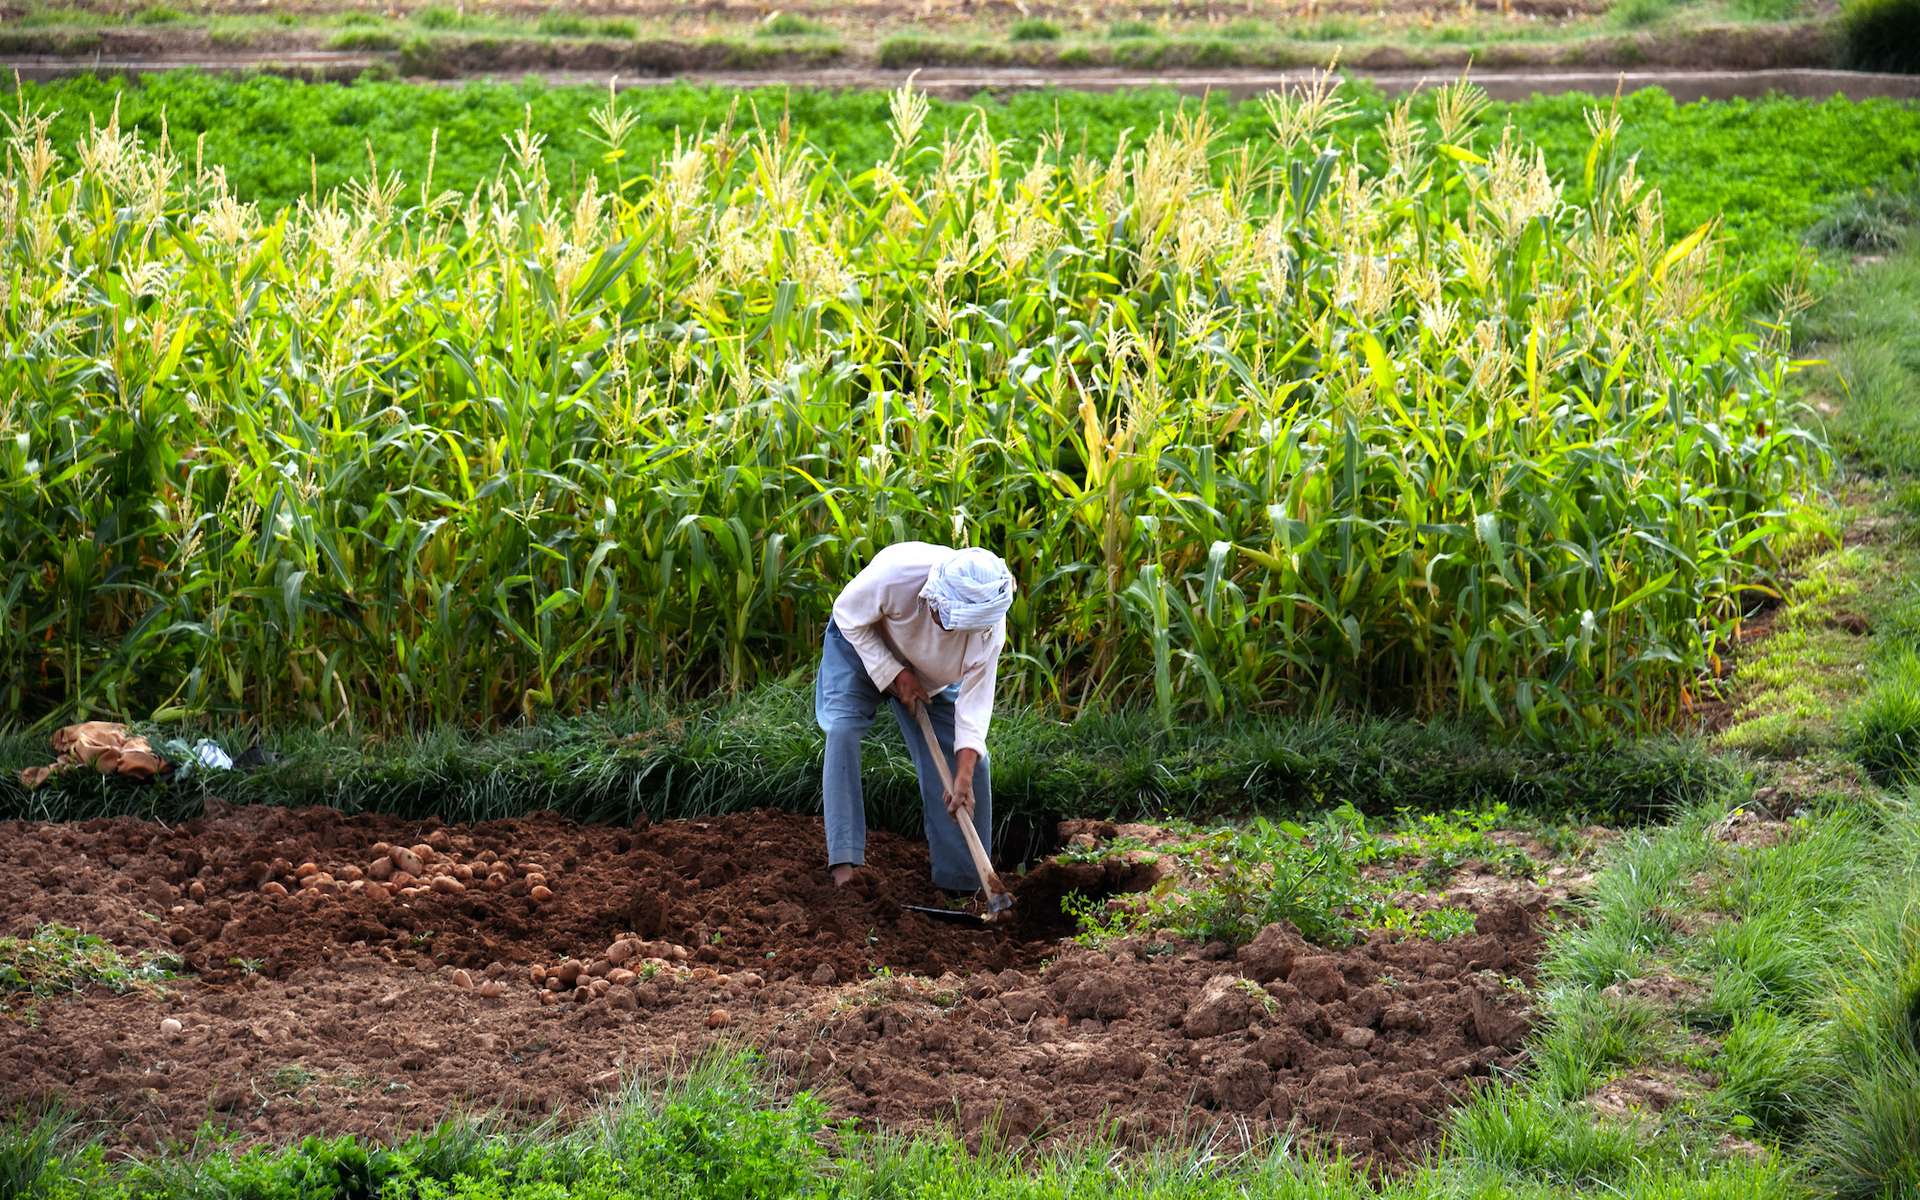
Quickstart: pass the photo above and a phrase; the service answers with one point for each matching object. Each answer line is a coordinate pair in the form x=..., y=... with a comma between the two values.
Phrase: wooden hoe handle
x=989, y=880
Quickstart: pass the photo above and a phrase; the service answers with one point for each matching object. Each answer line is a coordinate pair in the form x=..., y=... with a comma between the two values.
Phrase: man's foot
x=841, y=874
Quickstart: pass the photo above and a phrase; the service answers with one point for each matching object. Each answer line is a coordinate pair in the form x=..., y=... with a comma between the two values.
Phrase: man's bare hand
x=907, y=690
x=960, y=799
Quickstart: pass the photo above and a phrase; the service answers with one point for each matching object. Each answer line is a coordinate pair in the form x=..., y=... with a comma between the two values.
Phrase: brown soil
x=331, y=1009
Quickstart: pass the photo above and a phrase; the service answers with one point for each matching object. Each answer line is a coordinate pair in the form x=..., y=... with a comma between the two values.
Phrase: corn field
x=1255, y=430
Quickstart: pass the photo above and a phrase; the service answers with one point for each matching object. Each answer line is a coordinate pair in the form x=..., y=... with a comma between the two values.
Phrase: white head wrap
x=969, y=590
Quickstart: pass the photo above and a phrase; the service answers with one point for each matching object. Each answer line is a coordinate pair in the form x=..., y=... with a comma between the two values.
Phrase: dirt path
x=963, y=82
x=526, y=964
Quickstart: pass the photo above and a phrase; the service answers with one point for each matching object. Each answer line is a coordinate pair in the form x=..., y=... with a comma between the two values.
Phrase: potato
x=447, y=885
x=620, y=952
x=541, y=893
x=381, y=849
x=554, y=984
x=273, y=887
x=357, y=886
x=536, y=879
x=279, y=866
x=171, y=1027
x=549, y=998
x=407, y=860
x=424, y=852
x=599, y=967
x=463, y=873
x=439, y=839
x=401, y=879
x=582, y=994
x=598, y=987
x=380, y=869
x=537, y=973
x=493, y=989
x=462, y=979
x=623, y=998
x=496, y=881
x=378, y=892
x=305, y=869
x=351, y=873
x=621, y=977
x=719, y=1017
x=569, y=971
x=410, y=891
x=197, y=890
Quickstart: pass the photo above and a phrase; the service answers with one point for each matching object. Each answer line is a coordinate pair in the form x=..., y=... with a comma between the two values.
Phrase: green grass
x=763, y=750
x=722, y=1133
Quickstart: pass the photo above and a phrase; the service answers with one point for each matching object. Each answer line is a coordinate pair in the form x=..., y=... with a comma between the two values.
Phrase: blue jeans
x=844, y=704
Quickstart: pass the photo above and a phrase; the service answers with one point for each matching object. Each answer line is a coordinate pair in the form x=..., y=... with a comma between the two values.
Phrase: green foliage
x=1882, y=35
x=438, y=16
x=1033, y=30
x=1866, y=1138
x=364, y=39
x=1123, y=30
x=489, y=510
x=1764, y=1065
x=159, y=14
x=1767, y=10
x=1240, y=878
x=554, y=23
x=56, y=959
x=1510, y=1130
x=1872, y=325
x=1590, y=1033
x=786, y=25
x=1635, y=14
x=1885, y=735
x=1876, y=220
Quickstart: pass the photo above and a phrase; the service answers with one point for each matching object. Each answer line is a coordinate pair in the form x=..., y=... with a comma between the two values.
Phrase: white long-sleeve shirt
x=882, y=615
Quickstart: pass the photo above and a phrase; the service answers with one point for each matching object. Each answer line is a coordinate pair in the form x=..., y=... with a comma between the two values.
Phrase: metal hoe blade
x=952, y=916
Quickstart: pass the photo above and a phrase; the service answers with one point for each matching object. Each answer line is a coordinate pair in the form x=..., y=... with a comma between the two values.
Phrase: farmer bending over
x=922, y=624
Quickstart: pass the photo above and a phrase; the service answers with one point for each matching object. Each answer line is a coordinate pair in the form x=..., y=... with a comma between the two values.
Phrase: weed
x=789, y=25
x=560, y=24
x=1128, y=29
x=1033, y=29
x=438, y=16
x=1636, y=14
x=56, y=958
x=1885, y=732
x=159, y=14
x=1882, y=35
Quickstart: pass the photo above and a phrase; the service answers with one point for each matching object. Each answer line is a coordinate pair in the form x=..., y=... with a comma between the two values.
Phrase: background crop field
x=1255, y=428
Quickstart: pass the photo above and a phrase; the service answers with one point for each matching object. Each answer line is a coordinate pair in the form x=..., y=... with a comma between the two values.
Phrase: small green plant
x=1767, y=10
x=789, y=25
x=1882, y=35
x=159, y=14
x=439, y=16
x=1885, y=735
x=1635, y=14
x=559, y=24
x=1128, y=29
x=1033, y=29
x=616, y=30
x=364, y=39
x=1332, y=29
x=57, y=958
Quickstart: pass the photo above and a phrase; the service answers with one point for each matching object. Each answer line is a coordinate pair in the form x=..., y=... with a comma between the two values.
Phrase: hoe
x=999, y=899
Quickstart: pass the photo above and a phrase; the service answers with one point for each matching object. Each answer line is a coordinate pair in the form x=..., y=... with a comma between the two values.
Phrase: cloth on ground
x=106, y=746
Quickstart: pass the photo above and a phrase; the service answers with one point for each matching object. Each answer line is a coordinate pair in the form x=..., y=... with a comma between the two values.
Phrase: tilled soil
x=529, y=964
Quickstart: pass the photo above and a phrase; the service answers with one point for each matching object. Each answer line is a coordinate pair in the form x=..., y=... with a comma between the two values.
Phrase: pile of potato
x=434, y=866
x=617, y=970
